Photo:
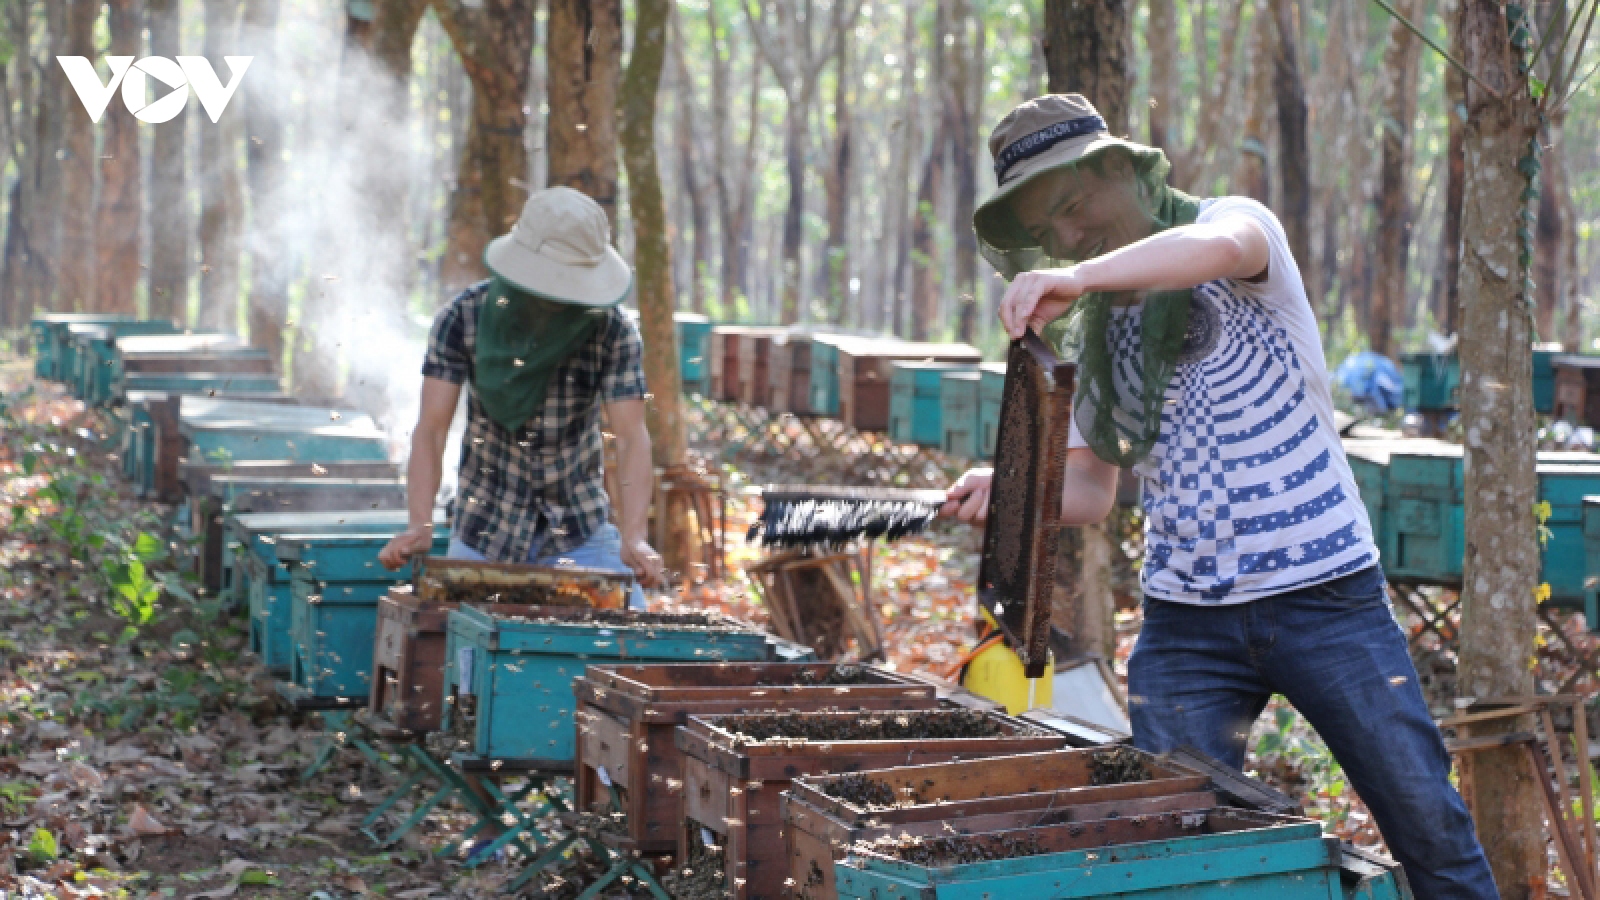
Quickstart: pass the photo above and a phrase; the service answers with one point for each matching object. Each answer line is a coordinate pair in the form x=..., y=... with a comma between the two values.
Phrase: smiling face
x=1082, y=211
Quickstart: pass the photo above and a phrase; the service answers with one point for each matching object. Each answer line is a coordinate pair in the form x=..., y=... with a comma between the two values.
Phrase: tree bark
x=1165, y=114
x=899, y=223
x=26, y=265
x=1252, y=171
x=584, y=49
x=75, y=285
x=1394, y=182
x=170, y=218
x=653, y=266
x=1088, y=50
x=1448, y=314
x=494, y=41
x=734, y=172
x=221, y=190
x=961, y=103
x=118, y=218
x=834, y=277
x=1498, y=618
x=268, y=308
x=1294, y=151
x=924, y=214
x=689, y=170
x=796, y=58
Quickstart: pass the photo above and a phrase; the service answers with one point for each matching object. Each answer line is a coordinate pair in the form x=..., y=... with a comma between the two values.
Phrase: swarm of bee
x=1118, y=765
x=896, y=726
x=859, y=790
x=954, y=851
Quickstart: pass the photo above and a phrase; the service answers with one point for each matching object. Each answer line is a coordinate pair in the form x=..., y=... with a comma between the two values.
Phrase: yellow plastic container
x=996, y=673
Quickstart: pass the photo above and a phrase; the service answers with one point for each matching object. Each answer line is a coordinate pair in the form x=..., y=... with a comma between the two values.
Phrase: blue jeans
x=603, y=550
x=1200, y=675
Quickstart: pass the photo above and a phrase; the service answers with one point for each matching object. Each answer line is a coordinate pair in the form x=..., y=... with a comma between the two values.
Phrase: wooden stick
x=1558, y=764
x=1564, y=851
x=1580, y=733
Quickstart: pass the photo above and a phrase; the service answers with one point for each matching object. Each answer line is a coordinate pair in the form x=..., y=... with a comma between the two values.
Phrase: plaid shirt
x=542, y=485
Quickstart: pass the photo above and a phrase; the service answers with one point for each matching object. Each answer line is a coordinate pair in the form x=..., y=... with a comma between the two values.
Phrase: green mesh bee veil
x=1122, y=379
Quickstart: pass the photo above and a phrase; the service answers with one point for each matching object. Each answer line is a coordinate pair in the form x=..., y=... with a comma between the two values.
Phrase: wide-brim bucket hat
x=1042, y=135
x=561, y=249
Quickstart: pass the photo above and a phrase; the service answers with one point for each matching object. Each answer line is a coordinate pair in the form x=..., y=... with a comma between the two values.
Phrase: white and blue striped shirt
x=1247, y=492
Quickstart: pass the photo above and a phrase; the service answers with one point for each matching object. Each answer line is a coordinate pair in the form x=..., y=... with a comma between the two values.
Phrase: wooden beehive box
x=627, y=715
x=825, y=815
x=458, y=581
x=509, y=669
x=865, y=375
x=694, y=350
x=958, y=413
x=250, y=494
x=755, y=363
x=255, y=578
x=408, y=660
x=990, y=391
x=1576, y=389
x=1215, y=852
x=334, y=588
x=50, y=335
x=732, y=783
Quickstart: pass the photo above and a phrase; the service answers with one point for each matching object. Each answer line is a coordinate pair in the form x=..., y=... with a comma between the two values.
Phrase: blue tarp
x=1372, y=380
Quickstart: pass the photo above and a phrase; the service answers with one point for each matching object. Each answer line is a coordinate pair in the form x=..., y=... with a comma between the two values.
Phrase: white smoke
x=352, y=172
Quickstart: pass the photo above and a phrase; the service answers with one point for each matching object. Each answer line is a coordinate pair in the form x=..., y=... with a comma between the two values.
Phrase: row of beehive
x=1414, y=493
x=1566, y=386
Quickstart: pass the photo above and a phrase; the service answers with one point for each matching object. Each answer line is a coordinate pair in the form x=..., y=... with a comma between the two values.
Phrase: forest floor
x=143, y=753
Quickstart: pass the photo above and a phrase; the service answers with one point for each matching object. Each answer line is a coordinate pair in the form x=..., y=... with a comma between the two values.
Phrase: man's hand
x=645, y=562
x=405, y=545
x=1035, y=299
x=968, y=498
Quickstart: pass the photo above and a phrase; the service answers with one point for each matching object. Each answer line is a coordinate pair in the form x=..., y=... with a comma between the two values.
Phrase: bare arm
x=1088, y=491
x=1178, y=258
x=424, y=471
x=626, y=418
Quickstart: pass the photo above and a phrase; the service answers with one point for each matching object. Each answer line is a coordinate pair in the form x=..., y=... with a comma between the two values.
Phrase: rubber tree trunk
x=794, y=163
x=1252, y=173
x=689, y=171
x=75, y=284
x=170, y=217
x=1088, y=50
x=653, y=267
x=1164, y=115
x=494, y=42
x=118, y=218
x=897, y=223
x=961, y=102
x=1498, y=612
x=585, y=64
x=733, y=173
x=1294, y=150
x=834, y=275
x=1088, y=46
x=1393, y=241
x=26, y=262
x=1448, y=311
x=221, y=188
x=268, y=309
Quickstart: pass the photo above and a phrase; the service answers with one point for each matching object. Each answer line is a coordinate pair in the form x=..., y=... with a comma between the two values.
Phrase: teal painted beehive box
x=1591, y=567
x=990, y=390
x=335, y=582
x=1431, y=380
x=1544, y=381
x=1563, y=558
x=824, y=385
x=510, y=671
x=50, y=336
x=96, y=354
x=202, y=383
x=1213, y=853
x=309, y=443
x=916, y=413
x=257, y=577
x=694, y=351
x=961, y=401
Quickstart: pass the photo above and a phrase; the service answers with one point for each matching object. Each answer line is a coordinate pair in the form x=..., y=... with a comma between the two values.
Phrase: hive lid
x=1017, y=571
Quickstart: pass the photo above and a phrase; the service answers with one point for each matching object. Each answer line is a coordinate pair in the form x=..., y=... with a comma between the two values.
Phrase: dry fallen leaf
x=144, y=824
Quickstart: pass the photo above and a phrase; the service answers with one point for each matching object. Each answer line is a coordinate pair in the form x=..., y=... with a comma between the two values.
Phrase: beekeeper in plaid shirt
x=543, y=345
